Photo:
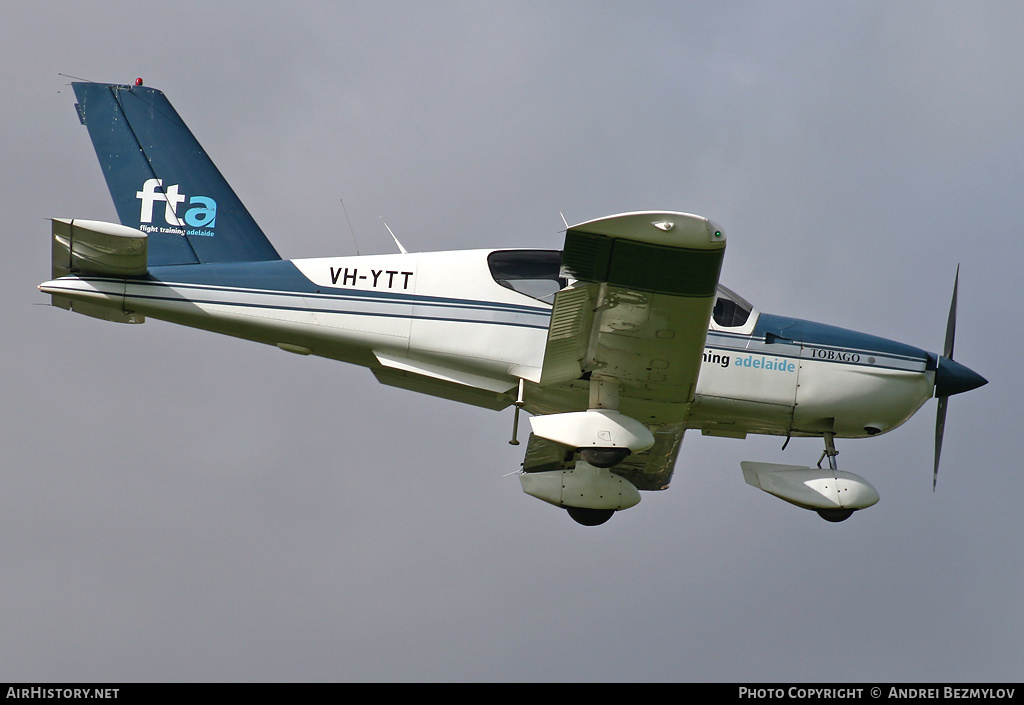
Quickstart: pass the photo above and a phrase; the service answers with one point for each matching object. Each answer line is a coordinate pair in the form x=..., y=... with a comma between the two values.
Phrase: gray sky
x=177, y=505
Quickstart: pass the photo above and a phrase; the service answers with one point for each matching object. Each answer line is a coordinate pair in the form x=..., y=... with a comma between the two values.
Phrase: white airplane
x=616, y=344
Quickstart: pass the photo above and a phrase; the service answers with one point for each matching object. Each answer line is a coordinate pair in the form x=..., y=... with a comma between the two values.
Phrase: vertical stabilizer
x=162, y=181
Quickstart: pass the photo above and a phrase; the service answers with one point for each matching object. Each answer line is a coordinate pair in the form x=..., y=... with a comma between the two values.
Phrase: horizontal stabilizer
x=92, y=248
x=95, y=247
x=95, y=296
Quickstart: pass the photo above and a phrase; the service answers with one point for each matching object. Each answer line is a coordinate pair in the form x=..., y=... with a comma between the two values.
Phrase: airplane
x=615, y=345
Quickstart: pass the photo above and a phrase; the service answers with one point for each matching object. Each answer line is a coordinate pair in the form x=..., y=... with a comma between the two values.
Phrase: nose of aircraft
x=953, y=378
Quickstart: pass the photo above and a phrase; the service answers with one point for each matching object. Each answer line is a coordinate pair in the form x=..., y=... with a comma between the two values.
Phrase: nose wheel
x=835, y=515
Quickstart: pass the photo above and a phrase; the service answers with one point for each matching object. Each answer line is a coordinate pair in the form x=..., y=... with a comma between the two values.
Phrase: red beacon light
x=138, y=81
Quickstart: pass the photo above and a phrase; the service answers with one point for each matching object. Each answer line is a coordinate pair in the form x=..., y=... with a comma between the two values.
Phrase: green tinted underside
x=641, y=266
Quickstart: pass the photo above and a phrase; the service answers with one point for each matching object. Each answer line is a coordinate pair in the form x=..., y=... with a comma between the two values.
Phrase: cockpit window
x=731, y=310
x=531, y=272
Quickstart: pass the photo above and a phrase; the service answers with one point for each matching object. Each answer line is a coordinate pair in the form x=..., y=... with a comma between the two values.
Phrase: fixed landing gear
x=833, y=494
x=833, y=515
x=592, y=443
x=830, y=451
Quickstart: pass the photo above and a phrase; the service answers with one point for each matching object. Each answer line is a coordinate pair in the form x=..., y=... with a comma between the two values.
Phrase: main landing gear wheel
x=604, y=457
x=835, y=515
x=589, y=517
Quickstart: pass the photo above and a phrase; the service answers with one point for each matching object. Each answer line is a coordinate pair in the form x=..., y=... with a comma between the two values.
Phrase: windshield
x=535, y=273
x=731, y=310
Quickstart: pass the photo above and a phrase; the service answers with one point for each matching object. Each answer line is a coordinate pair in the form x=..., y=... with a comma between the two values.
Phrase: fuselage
x=468, y=325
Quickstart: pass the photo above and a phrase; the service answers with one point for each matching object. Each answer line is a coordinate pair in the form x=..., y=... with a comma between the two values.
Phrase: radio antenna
x=400, y=248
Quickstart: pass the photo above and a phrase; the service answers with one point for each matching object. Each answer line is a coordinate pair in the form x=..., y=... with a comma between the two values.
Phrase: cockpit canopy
x=536, y=273
x=731, y=309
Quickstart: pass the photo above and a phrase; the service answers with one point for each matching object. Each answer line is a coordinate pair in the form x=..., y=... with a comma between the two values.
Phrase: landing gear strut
x=833, y=515
x=830, y=451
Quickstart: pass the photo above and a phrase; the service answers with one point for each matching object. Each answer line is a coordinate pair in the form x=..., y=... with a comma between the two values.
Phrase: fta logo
x=202, y=212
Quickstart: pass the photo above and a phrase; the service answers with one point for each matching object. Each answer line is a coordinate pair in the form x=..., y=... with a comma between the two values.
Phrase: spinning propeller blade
x=947, y=352
x=950, y=378
x=940, y=425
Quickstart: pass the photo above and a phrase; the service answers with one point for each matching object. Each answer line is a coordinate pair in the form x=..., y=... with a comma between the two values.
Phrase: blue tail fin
x=163, y=182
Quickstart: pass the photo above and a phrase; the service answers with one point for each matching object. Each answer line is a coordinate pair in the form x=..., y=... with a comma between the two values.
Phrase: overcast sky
x=176, y=505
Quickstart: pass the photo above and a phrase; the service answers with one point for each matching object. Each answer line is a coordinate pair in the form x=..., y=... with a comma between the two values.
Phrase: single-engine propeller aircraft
x=616, y=344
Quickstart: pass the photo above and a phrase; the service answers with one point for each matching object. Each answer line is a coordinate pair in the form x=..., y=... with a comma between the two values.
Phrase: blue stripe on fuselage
x=809, y=333
x=283, y=278
x=793, y=338
x=273, y=275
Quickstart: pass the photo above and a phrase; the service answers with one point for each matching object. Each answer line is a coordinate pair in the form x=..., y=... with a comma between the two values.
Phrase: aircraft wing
x=637, y=315
x=639, y=309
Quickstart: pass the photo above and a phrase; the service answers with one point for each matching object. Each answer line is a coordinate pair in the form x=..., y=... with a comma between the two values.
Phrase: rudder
x=163, y=182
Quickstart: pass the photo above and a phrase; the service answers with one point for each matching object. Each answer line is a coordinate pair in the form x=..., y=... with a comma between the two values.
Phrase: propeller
x=950, y=378
x=947, y=352
x=940, y=426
